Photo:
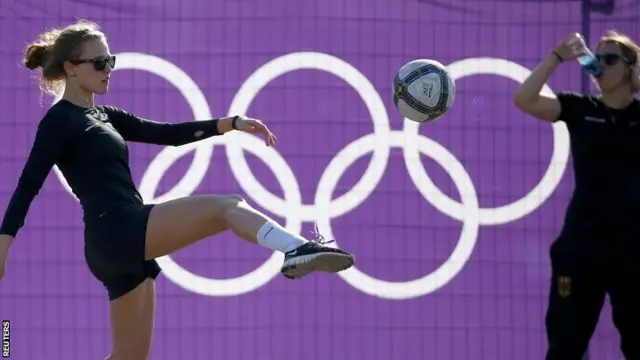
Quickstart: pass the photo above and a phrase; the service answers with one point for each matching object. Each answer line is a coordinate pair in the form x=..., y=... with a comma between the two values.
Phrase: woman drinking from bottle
x=598, y=249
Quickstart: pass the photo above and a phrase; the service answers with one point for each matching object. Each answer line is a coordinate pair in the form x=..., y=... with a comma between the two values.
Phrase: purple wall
x=321, y=73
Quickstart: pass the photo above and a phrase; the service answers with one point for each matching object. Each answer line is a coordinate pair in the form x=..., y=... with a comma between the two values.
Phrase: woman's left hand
x=255, y=126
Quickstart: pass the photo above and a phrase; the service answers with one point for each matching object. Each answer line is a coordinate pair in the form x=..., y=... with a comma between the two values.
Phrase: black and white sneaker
x=314, y=256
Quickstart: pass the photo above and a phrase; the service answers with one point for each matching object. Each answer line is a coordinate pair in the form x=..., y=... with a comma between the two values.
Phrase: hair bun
x=35, y=56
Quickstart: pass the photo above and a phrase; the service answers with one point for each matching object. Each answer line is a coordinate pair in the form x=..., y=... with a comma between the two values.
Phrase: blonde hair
x=628, y=47
x=56, y=46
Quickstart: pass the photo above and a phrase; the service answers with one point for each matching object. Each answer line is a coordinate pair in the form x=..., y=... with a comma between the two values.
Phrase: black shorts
x=115, y=248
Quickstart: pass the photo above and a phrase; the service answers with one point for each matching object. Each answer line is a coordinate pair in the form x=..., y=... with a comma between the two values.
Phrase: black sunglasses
x=99, y=63
x=611, y=59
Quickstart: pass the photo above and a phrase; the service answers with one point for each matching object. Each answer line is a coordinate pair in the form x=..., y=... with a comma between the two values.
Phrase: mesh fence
x=427, y=285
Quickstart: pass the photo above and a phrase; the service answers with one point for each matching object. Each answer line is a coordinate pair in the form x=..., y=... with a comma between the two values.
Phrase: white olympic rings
x=379, y=143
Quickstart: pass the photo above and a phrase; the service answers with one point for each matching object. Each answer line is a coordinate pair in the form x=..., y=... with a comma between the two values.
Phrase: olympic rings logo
x=324, y=208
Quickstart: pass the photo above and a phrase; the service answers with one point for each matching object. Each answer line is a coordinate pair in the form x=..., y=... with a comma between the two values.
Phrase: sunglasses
x=611, y=59
x=99, y=63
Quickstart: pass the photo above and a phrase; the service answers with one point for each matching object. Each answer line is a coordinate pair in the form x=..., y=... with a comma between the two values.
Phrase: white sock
x=275, y=237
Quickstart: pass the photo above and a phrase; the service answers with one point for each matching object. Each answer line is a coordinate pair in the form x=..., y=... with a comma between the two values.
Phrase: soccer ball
x=423, y=90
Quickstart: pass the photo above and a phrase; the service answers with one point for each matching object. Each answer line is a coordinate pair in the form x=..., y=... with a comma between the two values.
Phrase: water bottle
x=590, y=64
x=588, y=60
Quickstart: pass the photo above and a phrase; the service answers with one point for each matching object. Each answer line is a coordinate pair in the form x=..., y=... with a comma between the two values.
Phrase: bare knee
x=215, y=207
x=234, y=199
x=133, y=350
x=131, y=355
x=225, y=203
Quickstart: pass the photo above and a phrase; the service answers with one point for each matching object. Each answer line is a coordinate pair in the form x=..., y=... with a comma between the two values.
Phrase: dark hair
x=56, y=46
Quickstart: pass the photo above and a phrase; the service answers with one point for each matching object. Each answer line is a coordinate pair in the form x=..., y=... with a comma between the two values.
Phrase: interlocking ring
x=324, y=208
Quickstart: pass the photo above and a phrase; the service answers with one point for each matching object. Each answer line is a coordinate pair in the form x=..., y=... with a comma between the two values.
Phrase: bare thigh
x=176, y=224
x=132, y=318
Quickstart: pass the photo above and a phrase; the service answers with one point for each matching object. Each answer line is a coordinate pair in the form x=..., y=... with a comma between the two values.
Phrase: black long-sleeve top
x=89, y=147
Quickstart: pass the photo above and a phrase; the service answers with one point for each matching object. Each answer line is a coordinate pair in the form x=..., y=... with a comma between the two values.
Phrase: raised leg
x=176, y=224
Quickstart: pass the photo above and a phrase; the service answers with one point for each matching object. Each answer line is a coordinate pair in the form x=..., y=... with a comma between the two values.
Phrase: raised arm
x=133, y=128
x=528, y=97
x=51, y=136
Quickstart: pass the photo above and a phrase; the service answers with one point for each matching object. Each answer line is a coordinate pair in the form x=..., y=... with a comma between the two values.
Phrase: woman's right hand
x=5, y=244
x=571, y=47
